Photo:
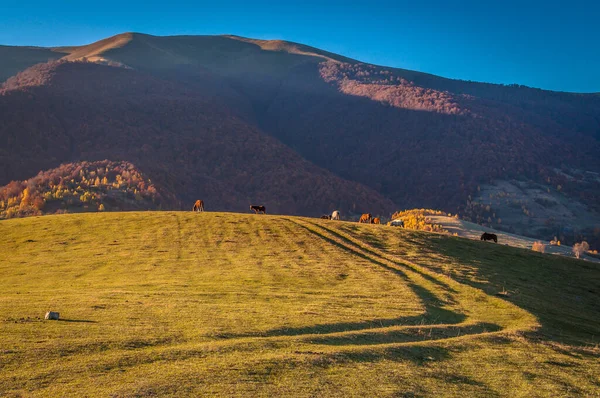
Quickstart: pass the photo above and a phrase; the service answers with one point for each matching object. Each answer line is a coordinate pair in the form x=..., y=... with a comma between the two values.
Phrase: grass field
x=176, y=304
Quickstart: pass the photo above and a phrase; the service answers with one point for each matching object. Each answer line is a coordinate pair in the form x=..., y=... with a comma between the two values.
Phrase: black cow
x=487, y=236
x=258, y=209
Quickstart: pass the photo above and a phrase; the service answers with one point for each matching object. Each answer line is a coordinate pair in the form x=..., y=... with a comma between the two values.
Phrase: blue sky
x=548, y=44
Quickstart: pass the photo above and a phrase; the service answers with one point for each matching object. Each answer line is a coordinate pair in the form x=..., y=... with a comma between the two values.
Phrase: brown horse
x=326, y=217
x=376, y=220
x=366, y=218
x=258, y=209
x=198, y=206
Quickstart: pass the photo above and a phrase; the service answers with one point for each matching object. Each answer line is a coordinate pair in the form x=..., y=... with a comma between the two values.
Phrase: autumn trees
x=580, y=248
x=81, y=186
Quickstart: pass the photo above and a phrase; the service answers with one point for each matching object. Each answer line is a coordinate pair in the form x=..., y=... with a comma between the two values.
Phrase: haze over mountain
x=236, y=120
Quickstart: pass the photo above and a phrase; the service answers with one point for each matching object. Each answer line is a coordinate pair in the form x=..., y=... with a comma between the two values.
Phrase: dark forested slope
x=199, y=108
x=188, y=144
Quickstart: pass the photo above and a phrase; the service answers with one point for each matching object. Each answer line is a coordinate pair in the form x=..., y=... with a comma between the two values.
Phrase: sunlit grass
x=166, y=303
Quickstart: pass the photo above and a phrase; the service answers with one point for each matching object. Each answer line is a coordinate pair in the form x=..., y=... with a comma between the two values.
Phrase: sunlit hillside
x=182, y=303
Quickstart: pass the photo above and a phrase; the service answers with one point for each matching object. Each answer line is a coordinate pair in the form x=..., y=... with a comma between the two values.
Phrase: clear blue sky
x=547, y=44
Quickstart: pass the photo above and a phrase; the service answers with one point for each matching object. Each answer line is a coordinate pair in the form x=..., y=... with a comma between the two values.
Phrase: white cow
x=335, y=215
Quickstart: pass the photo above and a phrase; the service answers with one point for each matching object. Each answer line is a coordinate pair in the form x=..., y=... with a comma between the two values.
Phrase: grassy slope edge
x=172, y=303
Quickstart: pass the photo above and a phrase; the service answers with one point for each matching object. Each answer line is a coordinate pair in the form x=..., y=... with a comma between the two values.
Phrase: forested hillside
x=83, y=186
x=192, y=147
x=239, y=120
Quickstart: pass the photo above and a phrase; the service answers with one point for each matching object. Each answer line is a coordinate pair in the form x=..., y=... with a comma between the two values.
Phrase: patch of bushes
x=418, y=219
x=83, y=186
x=538, y=247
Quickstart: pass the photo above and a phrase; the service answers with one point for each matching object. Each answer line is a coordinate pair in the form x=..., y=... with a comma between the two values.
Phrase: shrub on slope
x=83, y=186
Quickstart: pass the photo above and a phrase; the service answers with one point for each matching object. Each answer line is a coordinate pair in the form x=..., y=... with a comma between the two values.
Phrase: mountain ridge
x=271, y=44
x=416, y=139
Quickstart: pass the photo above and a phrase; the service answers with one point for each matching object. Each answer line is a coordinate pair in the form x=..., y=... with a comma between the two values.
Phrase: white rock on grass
x=52, y=316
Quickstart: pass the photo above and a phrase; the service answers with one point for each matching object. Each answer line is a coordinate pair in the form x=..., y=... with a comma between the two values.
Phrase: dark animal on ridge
x=198, y=206
x=326, y=217
x=258, y=209
x=397, y=223
x=366, y=218
x=487, y=236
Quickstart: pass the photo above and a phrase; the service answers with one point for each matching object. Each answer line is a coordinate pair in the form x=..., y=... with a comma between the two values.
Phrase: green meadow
x=224, y=304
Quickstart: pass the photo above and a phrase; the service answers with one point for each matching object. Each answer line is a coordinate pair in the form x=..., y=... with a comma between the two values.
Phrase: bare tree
x=580, y=248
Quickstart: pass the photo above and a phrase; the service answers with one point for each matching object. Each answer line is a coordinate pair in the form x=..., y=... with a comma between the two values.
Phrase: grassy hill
x=172, y=303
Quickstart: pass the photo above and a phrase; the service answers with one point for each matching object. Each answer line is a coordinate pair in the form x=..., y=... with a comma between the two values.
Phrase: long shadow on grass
x=417, y=354
x=77, y=320
x=426, y=319
x=349, y=246
x=563, y=293
x=413, y=334
x=434, y=314
x=374, y=241
x=373, y=253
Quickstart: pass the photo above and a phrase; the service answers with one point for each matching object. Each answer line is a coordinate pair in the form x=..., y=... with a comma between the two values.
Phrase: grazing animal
x=198, y=206
x=396, y=223
x=335, y=215
x=487, y=236
x=366, y=218
x=326, y=217
x=376, y=220
x=258, y=209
